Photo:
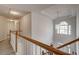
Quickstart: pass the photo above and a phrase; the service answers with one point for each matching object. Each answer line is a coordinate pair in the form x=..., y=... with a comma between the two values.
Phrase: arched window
x=63, y=28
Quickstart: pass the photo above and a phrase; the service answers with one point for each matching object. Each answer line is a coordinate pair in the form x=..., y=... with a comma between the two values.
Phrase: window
x=63, y=28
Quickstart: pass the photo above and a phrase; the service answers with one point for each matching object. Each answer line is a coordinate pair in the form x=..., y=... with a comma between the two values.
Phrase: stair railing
x=72, y=46
x=37, y=47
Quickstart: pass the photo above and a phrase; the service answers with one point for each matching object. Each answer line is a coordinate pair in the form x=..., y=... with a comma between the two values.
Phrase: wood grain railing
x=71, y=42
x=45, y=46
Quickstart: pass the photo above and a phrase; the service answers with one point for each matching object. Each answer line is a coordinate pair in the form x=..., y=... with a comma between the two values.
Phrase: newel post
x=16, y=39
x=10, y=35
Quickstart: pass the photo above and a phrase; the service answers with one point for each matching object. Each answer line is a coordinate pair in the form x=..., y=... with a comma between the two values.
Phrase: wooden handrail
x=71, y=42
x=49, y=48
x=16, y=31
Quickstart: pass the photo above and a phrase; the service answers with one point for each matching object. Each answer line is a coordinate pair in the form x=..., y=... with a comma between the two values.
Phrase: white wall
x=25, y=25
x=77, y=24
x=42, y=28
x=3, y=28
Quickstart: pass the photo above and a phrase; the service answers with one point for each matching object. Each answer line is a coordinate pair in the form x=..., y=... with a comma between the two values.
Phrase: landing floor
x=6, y=48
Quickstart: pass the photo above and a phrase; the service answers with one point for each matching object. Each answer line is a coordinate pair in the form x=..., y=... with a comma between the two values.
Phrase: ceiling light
x=14, y=13
x=11, y=20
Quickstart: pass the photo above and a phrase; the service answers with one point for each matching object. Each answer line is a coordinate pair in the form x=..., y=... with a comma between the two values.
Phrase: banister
x=49, y=48
x=16, y=31
x=71, y=42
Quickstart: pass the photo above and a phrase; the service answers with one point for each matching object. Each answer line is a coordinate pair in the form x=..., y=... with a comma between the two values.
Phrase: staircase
x=37, y=48
x=69, y=45
x=27, y=44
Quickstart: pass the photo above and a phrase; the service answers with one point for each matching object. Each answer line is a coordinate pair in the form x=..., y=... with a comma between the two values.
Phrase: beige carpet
x=6, y=48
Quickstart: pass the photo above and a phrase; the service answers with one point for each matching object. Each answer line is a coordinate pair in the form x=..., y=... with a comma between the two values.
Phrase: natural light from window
x=63, y=28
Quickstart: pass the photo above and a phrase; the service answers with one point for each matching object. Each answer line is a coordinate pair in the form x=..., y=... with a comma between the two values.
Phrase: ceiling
x=21, y=8
x=53, y=11
x=57, y=11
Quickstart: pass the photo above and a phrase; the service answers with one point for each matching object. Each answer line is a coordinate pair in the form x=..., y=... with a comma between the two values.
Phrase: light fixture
x=14, y=12
x=11, y=20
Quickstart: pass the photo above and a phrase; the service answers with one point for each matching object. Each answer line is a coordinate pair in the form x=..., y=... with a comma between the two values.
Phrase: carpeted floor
x=6, y=48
